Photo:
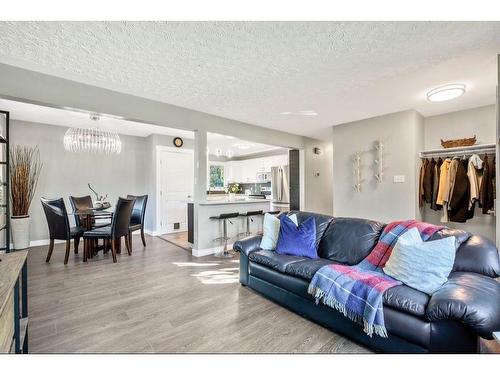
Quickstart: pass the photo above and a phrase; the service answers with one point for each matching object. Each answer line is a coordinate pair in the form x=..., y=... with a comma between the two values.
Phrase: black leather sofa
x=451, y=320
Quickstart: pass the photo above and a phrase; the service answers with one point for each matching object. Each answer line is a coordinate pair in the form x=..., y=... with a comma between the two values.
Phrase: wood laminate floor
x=180, y=239
x=163, y=300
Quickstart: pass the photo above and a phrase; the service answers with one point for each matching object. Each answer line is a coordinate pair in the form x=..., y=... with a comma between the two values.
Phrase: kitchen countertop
x=226, y=200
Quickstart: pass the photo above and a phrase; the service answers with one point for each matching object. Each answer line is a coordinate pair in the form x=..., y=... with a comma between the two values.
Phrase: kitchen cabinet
x=245, y=171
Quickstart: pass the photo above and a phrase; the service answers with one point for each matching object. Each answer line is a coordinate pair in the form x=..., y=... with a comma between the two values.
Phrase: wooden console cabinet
x=14, y=302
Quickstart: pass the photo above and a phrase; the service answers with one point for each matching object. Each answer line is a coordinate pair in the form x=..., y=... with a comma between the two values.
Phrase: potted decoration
x=25, y=167
x=233, y=190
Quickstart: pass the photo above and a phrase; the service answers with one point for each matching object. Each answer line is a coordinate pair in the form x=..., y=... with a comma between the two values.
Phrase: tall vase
x=20, y=230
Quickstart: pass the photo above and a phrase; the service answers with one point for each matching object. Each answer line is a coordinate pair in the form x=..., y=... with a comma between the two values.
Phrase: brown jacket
x=429, y=180
x=486, y=190
x=458, y=204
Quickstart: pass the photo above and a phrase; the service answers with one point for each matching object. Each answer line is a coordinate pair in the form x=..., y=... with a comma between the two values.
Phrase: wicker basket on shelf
x=459, y=142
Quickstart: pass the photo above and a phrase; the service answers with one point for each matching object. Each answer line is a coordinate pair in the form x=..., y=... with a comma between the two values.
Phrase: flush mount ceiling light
x=94, y=141
x=242, y=146
x=305, y=112
x=446, y=92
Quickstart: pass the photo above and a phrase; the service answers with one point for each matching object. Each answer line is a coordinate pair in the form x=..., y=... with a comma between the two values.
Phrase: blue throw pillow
x=297, y=240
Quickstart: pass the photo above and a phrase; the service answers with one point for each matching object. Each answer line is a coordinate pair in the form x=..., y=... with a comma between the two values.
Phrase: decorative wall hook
x=379, y=161
x=357, y=172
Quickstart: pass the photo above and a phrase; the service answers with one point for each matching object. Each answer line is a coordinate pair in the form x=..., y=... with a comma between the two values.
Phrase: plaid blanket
x=357, y=291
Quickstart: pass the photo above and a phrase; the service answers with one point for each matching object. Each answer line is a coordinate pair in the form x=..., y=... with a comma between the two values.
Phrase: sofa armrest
x=470, y=298
x=248, y=245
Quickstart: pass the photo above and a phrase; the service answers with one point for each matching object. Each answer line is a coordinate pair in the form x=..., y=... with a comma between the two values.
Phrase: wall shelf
x=459, y=151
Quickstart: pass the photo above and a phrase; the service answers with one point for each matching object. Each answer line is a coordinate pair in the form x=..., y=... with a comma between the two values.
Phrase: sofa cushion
x=305, y=269
x=349, y=240
x=289, y=283
x=478, y=254
x=322, y=222
x=406, y=299
x=273, y=260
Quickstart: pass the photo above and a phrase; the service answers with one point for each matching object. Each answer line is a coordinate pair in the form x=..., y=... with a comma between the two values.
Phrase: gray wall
x=479, y=121
x=384, y=201
x=66, y=173
x=405, y=134
x=318, y=189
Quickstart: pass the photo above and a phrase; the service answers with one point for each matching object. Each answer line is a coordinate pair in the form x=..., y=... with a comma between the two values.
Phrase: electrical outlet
x=398, y=179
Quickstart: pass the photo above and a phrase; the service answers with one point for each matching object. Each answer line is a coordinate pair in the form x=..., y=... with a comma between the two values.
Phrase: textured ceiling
x=253, y=71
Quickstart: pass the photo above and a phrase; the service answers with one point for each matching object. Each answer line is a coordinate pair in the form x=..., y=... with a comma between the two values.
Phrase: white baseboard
x=204, y=252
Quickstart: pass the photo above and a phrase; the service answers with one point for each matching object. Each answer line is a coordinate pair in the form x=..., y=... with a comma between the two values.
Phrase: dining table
x=88, y=217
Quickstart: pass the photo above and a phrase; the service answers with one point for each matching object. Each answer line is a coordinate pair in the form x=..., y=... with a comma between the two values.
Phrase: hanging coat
x=443, y=182
x=435, y=186
x=475, y=174
x=486, y=190
x=421, y=183
x=458, y=204
x=429, y=180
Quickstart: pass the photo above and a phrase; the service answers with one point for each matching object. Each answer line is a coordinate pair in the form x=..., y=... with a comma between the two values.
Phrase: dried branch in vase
x=25, y=167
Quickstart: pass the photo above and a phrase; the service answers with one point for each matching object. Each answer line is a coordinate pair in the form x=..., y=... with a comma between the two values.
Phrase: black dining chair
x=81, y=204
x=59, y=228
x=137, y=218
x=119, y=228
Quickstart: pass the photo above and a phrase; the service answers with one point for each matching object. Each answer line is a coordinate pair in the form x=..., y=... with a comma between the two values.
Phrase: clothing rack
x=459, y=151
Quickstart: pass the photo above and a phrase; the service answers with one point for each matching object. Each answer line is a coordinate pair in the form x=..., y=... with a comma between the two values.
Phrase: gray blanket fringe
x=330, y=301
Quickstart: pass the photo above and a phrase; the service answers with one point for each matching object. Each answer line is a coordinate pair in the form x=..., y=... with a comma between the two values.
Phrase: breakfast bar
x=207, y=229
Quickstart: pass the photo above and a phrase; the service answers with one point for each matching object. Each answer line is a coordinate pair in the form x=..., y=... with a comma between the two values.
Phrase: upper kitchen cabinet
x=252, y=170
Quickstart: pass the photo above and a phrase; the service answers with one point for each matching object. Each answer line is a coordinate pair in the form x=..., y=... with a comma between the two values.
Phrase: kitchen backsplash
x=255, y=188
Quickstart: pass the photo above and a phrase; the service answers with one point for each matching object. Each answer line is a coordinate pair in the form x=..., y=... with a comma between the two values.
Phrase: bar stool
x=273, y=212
x=225, y=218
x=249, y=215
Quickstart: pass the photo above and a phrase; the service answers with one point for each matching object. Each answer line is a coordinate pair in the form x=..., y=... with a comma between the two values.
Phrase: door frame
x=159, y=149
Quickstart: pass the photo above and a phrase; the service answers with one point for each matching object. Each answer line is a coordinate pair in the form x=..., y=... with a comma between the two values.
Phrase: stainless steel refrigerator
x=280, y=188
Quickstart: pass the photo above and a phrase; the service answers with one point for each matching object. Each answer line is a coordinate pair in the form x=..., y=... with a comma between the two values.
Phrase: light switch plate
x=398, y=179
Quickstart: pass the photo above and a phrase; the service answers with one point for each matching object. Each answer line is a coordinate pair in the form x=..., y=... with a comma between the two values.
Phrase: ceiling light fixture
x=242, y=146
x=305, y=112
x=446, y=92
x=94, y=141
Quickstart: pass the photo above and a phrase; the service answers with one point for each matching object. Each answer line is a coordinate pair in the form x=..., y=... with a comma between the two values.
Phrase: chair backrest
x=57, y=218
x=139, y=209
x=121, y=217
x=80, y=203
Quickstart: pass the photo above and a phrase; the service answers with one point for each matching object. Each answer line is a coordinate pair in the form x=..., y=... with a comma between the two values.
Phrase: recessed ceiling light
x=446, y=92
x=305, y=112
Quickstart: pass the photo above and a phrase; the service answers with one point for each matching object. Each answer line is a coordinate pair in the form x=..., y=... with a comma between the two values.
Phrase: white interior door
x=176, y=180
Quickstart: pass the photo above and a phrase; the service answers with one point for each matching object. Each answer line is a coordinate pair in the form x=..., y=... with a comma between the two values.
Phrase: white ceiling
x=254, y=71
x=73, y=119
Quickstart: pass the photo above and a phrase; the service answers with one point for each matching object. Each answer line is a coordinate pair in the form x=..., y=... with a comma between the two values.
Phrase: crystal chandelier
x=95, y=140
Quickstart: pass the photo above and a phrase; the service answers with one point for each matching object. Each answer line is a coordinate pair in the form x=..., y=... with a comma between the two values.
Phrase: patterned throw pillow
x=424, y=266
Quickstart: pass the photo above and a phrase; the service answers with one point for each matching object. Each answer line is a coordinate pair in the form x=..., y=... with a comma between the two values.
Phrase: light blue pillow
x=271, y=231
x=424, y=266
